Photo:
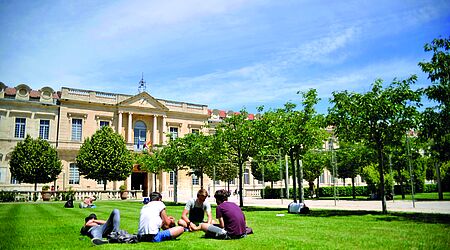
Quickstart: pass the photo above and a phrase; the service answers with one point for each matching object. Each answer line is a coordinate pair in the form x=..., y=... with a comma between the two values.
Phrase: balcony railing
x=78, y=195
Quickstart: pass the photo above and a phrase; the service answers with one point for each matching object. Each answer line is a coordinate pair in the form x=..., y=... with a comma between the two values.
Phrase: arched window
x=140, y=135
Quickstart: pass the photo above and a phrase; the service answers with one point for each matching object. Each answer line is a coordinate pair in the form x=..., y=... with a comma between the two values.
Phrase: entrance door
x=139, y=182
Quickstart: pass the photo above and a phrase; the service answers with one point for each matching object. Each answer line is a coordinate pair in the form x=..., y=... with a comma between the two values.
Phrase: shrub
x=7, y=196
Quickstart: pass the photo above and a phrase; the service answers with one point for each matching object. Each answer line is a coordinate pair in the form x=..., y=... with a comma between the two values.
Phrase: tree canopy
x=34, y=161
x=105, y=157
x=238, y=133
x=380, y=117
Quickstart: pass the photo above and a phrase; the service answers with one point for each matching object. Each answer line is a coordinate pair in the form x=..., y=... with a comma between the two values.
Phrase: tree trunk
x=294, y=183
x=311, y=188
x=201, y=178
x=175, y=187
x=300, y=180
x=353, y=188
x=155, y=177
x=381, y=172
x=104, y=185
x=241, y=198
x=318, y=188
x=438, y=180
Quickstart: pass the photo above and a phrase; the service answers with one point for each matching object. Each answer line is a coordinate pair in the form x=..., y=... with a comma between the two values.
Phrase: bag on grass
x=298, y=208
x=68, y=204
x=122, y=236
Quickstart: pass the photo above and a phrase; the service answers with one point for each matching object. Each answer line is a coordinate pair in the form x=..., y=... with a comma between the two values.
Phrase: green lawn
x=424, y=196
x=418, y=196
x=50, y=226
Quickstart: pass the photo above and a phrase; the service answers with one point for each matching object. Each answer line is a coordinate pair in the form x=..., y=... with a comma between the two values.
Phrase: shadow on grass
x=391, y=216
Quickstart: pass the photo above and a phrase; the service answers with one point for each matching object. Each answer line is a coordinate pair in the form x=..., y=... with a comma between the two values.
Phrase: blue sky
x=225, y=54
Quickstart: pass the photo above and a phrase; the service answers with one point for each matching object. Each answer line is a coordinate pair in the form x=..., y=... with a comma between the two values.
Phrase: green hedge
x=270, y=193
x=7, y=196
x=428, y=188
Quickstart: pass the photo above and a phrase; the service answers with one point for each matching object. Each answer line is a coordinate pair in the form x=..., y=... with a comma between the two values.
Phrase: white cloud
x=127, y=17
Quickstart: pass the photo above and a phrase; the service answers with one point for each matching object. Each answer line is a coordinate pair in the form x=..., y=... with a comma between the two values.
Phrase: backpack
x=298, y=208
x=68, y=204
x=122, y=236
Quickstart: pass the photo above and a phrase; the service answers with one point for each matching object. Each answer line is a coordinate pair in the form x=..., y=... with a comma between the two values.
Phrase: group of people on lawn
x=156, y=226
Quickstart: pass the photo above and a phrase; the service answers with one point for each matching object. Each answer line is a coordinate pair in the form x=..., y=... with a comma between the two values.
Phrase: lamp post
x=410, y=169
x=333, y=165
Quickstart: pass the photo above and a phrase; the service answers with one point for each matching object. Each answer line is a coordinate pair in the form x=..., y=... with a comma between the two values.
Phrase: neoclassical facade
x=66, y=117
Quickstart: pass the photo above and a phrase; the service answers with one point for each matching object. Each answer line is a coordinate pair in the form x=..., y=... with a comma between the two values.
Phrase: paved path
x=441, y=207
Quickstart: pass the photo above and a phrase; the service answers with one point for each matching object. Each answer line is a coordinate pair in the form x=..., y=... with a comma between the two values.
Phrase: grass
x=418, y=196
x=50, y=226
x=424, y=196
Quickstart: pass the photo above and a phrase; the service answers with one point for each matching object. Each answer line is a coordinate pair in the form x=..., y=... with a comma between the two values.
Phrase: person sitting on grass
x=196, y=208
x=153, y=217
x=88, y=202
x=231, y=219
x=98, y=229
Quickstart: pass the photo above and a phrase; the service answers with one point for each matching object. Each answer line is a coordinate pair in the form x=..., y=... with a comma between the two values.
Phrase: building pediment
x=143, y=100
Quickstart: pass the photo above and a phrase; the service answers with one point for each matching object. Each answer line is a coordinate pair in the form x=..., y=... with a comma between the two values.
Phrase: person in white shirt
x=153, y=217
x=196, y=208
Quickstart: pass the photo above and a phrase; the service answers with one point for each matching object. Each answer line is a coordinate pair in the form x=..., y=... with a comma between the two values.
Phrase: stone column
x=164, y=130
x=119, y=124
x=155, y=127
x=130, y=125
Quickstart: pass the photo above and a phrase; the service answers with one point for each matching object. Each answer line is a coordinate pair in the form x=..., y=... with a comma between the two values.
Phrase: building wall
x=33, y=106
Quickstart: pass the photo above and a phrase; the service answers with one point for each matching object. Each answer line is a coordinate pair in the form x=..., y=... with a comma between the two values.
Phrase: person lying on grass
x=196, y=208
x=98, y=229
x=231, y=219
x=154, y=217
x=88, y=202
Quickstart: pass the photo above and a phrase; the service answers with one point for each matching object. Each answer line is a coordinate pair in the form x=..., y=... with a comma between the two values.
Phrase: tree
x=435, y=125
x=308, y=133
x=149, y=161
x=380, y=117
x=199, y=153
x=171, y=158
x=351, y=158
x=266, y=168
x=314, y=163
x=34, y=161
x=105, y=157
x=238, y=134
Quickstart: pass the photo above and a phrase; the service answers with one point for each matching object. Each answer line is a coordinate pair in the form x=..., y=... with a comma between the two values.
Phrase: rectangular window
x=195, y=131
x=194, y=179
x=76, y=129
x=100, y=182
x=74, y=174
x=44, y=129
x=171, y=178
x=173, y=133
x=246, y=177
x=104, y=123
x=14, y=181
x=321, y=178
x=20, y=128
x=233, y=182
x=217, y=182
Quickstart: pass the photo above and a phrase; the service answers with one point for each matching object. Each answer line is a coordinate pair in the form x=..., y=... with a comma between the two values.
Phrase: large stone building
x=66, y=117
